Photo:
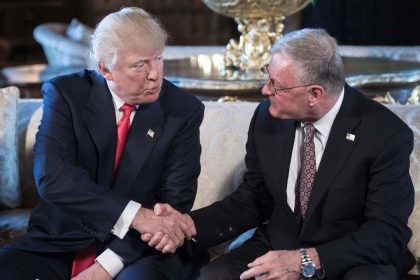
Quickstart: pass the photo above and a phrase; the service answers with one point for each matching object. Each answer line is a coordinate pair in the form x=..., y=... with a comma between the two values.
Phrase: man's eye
x=138, y=67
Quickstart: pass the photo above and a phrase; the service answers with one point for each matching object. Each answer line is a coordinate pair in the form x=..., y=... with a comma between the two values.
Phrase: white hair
x=129, y=28
x=316, y=56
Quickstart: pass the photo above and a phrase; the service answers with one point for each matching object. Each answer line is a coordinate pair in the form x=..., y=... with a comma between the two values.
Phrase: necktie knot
x=309, y=130
x=127, y=109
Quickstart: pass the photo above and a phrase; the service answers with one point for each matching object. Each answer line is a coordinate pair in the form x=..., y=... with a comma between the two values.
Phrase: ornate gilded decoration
x=260, y=25
x=415, y=96
x=405, y=78
x=413, y=99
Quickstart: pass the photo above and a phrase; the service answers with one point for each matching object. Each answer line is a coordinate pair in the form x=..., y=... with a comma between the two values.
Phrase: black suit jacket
x=81, y=198
x=361, y=198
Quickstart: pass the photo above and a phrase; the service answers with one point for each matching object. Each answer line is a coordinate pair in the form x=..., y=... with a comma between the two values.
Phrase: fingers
x=256, y=269
x=184, y=220
x=169, y=247
x=273, y=265
x=156, y=239
x=260, y=260
x=163, y=241
x=188, y=226
x=146, y=237
x=172, y=227
x=253, y=272
x=166, y=228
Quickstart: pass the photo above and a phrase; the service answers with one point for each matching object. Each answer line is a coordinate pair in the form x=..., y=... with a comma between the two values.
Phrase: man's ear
x=316, y=92
x=105, y=72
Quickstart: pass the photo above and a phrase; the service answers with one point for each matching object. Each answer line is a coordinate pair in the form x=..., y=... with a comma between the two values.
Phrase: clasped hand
x=164, y=228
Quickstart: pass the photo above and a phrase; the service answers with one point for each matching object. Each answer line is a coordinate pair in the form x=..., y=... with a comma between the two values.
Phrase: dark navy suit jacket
x=361, y=198
x=80, y=197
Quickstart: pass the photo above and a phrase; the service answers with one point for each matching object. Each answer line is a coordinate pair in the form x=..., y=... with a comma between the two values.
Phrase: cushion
x=79, y=32
x=10, y=195
x=13, y=224
x=29, y=118
x=410, y=114
x=223, y=135
x=414, y=244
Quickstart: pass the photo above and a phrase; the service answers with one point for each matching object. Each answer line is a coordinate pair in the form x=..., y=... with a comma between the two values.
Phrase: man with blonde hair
x=111, y=144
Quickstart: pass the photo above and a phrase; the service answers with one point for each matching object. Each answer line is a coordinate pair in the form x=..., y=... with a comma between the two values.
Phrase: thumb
x=162, y=209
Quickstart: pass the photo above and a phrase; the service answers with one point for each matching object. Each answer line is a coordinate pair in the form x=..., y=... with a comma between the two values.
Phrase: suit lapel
x=337, y=151
x=99, y=116
x=145, y=130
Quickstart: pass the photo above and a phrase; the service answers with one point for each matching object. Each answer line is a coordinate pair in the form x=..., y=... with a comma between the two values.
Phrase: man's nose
x=266, y=89
x=153, y=71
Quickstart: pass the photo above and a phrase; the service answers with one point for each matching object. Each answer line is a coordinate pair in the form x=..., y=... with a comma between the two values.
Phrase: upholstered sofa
x=223, y=136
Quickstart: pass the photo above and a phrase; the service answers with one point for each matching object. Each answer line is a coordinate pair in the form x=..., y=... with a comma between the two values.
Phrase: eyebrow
x=139, y=61
x=145, y=60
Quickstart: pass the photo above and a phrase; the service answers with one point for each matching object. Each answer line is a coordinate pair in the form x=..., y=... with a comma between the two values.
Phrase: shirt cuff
x=122, y=226
x=111, y=262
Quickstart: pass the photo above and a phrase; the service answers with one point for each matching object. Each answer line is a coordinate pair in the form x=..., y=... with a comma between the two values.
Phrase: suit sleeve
x=384, y=235
x=178, y=185
x=60, y=181
x=249, y=206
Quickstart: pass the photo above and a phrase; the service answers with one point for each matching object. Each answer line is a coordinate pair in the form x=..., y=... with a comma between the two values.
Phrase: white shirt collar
x=118, y=102
x=324, y=124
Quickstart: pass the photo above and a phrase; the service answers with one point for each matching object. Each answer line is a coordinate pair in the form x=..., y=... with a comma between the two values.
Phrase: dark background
x=190, y=22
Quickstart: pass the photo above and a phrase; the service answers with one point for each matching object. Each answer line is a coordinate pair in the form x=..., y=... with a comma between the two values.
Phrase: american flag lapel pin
x=150, y=133
x=350, y=136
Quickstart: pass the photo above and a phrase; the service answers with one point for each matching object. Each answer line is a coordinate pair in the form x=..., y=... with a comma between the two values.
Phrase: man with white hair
x=328, y=184
x=111, y=144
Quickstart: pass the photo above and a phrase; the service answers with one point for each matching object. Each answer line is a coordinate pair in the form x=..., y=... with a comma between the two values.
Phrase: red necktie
x=123, y=129
x=86, y=257
x=308, y=168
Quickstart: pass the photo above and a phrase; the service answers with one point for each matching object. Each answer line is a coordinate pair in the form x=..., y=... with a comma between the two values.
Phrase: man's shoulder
x=75, y=86
x=178, y=101
x=378, y=116
x=84, y=78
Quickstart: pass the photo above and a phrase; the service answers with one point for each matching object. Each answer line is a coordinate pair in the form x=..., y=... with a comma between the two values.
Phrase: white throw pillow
x=10, y=194
x=414, y=244
x=410, y=114
x=223, y=135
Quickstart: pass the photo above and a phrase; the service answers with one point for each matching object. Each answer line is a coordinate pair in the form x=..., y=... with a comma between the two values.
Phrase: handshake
x=163, y=228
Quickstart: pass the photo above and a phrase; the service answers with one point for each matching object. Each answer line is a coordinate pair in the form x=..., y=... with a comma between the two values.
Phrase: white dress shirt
x=109, y=260
x=322, y=131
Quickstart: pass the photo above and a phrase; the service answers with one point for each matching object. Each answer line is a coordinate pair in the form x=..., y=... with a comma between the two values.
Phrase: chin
x=151, y=98
x=279, y=115
x=273, y=112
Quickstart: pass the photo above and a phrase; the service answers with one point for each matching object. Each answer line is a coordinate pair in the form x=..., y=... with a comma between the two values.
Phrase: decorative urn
x=260, y=25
